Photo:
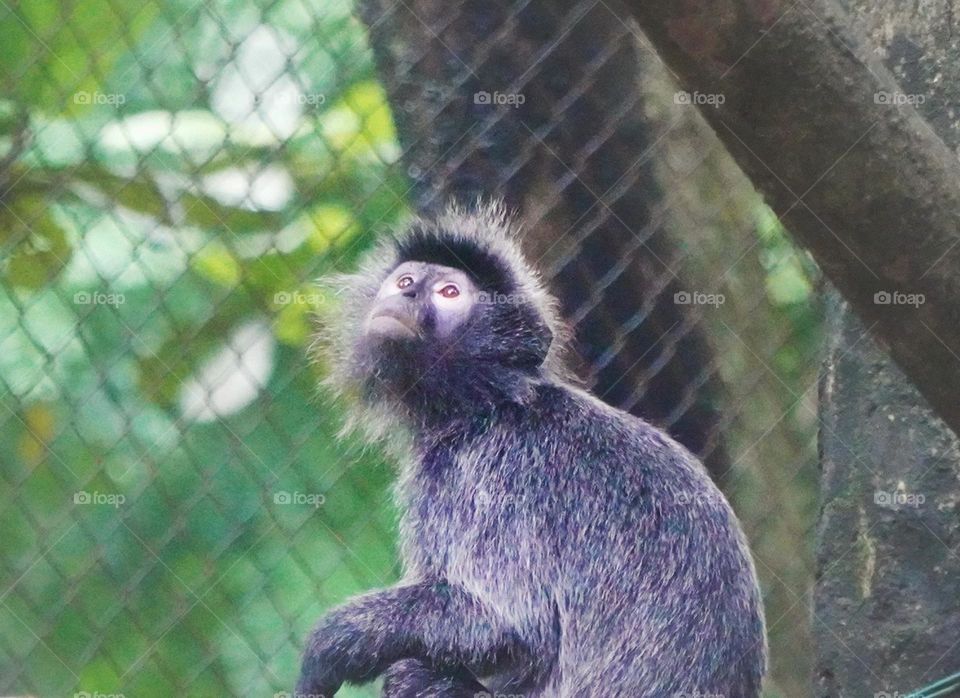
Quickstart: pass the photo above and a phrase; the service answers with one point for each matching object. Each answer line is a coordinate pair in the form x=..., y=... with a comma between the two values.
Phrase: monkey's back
x=662, y=596
x=603, y=540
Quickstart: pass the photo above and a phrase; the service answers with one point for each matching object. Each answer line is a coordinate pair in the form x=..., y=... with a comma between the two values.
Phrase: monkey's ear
x=535, y=345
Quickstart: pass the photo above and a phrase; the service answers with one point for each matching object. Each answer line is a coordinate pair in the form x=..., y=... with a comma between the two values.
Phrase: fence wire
x=174, y=176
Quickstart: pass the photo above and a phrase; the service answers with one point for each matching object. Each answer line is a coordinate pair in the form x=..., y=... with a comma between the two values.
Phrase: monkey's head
x=443, y=319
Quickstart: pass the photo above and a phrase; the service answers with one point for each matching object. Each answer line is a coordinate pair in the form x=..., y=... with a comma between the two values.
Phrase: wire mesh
x=173, y=176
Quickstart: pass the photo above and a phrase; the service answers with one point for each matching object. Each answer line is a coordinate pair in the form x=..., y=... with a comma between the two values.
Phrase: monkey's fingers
x=411, y=678
x=315, y=681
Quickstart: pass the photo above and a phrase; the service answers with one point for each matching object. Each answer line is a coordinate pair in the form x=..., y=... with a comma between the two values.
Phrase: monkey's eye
x=449, y=291
x=404, y=281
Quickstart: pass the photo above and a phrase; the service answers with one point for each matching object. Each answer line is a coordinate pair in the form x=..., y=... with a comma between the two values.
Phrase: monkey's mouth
x=392, y=324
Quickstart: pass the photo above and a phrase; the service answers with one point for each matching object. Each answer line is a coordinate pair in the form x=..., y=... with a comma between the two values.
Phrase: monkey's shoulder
x=574, y=427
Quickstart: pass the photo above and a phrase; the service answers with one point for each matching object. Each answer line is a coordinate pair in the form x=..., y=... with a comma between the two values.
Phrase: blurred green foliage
x=174, y=176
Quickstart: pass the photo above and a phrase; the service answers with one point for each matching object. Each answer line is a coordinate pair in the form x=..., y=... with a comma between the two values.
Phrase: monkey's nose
x=411, y=293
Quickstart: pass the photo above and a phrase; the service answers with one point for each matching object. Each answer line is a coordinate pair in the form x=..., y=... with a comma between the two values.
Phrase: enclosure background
x=176, y=510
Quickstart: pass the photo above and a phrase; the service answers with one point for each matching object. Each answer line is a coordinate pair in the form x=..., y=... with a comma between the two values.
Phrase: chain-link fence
x=173, y=176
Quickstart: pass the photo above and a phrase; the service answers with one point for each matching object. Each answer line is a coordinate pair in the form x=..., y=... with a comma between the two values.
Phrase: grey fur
x=552, y=545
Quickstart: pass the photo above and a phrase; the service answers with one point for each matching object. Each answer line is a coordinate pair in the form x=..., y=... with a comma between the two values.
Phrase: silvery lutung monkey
x=552, y=545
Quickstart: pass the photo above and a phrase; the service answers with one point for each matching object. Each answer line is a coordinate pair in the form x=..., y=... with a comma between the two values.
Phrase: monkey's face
x=439, y=337
x=418, y=300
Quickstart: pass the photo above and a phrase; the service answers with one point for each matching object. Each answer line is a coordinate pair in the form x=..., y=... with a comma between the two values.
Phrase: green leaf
x=35, y=247
x=52, y=52
x=207, y=212
x=139, y=193
x=330, y=224
x=218, y=264
x=361, y=124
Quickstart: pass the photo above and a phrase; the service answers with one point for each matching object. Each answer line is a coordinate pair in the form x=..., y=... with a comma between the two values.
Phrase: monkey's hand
x=326, y=662
x=412, y=678
x=440, y=623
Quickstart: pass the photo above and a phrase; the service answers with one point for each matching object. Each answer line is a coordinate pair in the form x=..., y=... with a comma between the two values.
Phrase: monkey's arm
x=439, y=623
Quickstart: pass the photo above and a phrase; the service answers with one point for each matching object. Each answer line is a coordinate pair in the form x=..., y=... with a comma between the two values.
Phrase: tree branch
x=826, y=135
